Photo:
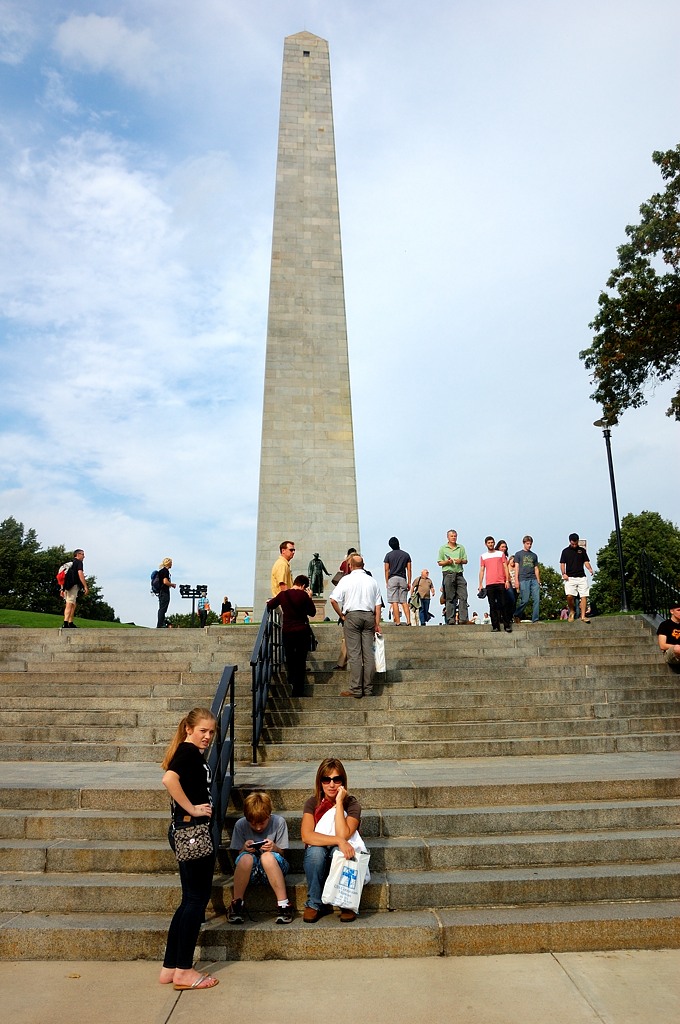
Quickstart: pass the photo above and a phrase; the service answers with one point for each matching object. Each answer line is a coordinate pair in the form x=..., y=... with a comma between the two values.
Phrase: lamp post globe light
x=605, y=424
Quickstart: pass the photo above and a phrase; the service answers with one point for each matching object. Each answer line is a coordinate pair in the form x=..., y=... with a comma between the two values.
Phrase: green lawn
x=39, y=620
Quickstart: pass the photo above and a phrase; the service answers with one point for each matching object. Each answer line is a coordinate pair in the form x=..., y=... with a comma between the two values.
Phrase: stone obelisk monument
x=307, y=474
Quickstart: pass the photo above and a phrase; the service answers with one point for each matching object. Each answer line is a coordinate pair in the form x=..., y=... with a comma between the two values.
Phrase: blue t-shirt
x=527, y=562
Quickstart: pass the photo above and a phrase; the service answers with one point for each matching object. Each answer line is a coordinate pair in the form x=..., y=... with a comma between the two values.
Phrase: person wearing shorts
x=573, y=562
x=74, y=584
x=398, y=580
x=261, y=839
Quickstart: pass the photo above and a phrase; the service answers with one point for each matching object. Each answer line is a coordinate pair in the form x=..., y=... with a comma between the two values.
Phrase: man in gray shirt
x=528, y=580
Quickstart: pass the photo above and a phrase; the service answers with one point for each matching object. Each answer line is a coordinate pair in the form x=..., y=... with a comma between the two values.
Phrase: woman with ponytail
x=187, y=780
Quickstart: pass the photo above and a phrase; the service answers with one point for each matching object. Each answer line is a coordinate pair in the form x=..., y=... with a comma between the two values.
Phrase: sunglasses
x=325, y=779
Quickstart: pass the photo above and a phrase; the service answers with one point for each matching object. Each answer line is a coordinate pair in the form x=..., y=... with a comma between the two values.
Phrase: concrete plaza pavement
x=615, y=987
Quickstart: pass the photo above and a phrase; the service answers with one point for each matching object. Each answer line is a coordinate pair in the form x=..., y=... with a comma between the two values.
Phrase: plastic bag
x=345, y=881
x=379, y=652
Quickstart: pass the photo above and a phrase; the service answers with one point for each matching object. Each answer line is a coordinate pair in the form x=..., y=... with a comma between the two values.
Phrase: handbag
x=379, y=652
x=345, y=880
x=313, y=643
x=338, y=576
x=192, y=841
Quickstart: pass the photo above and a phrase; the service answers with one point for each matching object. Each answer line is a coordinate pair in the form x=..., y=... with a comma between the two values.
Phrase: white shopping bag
x=379, y=652
x=345, y=881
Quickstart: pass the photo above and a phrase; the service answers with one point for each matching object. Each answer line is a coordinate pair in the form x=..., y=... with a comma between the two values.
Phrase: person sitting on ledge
x=668, y=635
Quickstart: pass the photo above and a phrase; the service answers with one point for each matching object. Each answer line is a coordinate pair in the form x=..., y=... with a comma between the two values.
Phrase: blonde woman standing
x=164, y=585
x=187, y=780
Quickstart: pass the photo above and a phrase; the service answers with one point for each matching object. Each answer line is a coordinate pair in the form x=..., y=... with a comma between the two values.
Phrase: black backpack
x=155, y=583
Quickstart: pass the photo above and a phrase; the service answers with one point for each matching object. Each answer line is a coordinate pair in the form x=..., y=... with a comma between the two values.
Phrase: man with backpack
x=74, y=582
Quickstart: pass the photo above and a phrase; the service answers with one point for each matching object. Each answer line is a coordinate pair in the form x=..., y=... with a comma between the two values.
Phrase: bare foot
x=167, y=975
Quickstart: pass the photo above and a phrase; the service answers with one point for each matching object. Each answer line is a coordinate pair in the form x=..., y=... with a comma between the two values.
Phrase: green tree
x=648, y=531
x=28, y=576
x=638, y=323
x=182, y=620
x=552, y=593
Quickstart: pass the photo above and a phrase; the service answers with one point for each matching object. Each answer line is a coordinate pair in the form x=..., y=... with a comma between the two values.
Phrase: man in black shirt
x=668, y=635
x=398, y=580
x=573, y=560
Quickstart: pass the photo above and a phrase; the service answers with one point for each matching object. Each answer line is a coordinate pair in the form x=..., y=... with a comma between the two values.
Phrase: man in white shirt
x=357, y=601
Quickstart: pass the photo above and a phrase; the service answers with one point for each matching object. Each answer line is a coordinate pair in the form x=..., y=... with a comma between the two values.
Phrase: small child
x=261, y=839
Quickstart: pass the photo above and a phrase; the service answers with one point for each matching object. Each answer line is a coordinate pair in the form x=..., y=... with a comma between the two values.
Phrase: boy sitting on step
x=261, y=839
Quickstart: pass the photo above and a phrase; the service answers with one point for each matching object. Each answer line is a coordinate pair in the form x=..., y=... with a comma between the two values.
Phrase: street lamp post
x=192, y=592
x=606, y=430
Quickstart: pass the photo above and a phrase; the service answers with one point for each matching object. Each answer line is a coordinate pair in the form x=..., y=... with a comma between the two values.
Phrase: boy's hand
x=267, y=846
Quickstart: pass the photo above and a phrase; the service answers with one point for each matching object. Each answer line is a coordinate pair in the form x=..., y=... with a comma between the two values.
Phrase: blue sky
x=489, y=157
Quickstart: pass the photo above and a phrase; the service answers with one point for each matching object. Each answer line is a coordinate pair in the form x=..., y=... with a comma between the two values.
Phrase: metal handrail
x=221, y=754
x=265, y=661
x=659, y=593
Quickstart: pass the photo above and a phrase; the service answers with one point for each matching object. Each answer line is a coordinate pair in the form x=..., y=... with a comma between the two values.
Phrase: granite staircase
x=521, y=792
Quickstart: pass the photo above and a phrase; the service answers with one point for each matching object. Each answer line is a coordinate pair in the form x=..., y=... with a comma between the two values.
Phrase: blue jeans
x=424, y=610
x=529, y=590
x=317, y=864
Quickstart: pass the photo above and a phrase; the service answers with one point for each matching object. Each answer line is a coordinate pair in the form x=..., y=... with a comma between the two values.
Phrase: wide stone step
x=517, y=886
x=78, y=752
x=519, y=819
x=487, y=931
x=168, y=688
x=406, y=854
x=298, y=717
x=475, y=730
x=517, y=747
x=536, y=676
x=80, y=856
x=80, y=824
x=569, y=848
x=92, y=665
x=396, y=698
x=111, y=892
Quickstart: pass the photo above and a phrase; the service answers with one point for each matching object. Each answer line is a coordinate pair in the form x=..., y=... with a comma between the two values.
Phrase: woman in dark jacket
x=296, y=605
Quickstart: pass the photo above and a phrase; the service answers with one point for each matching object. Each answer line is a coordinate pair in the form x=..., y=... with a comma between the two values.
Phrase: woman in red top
x=330, y=793
x=296, y=604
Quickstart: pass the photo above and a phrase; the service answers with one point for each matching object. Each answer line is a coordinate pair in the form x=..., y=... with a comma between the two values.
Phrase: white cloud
x=488, y=163
x=56, y=94
x=92, y=42
x=17, y=33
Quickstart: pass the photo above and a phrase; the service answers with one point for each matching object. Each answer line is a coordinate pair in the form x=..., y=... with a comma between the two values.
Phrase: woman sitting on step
x=187, y=780
x=330, y=821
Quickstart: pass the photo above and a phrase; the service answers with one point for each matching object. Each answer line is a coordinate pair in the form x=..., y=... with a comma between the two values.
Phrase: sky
x=490, y=155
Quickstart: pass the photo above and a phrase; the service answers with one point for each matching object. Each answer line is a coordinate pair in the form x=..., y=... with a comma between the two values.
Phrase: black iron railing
x=265, y=661
x=659, y=592
x=221, y=754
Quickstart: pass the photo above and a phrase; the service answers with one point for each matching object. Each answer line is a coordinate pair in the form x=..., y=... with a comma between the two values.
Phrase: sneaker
x=285, y=915
x=235, y=912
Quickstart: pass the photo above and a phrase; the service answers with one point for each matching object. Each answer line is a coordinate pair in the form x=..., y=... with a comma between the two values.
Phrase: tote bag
x=345, y=880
